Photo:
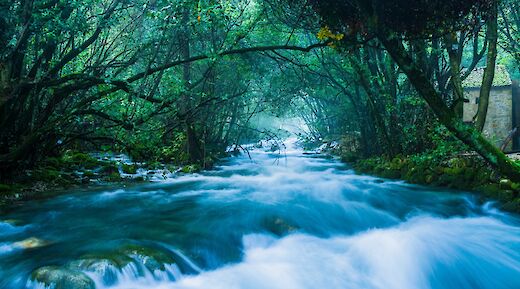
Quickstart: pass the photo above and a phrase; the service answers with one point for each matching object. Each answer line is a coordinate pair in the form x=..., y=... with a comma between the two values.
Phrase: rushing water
x=276, y=221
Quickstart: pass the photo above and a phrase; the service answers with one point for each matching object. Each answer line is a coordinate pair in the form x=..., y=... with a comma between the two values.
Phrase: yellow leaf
x=325, y=33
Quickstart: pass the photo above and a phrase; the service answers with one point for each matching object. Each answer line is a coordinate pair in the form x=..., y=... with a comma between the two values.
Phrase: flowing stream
x=278, y=220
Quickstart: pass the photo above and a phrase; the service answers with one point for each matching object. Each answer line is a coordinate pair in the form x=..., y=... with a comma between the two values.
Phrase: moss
x=109, y=168
x=391, y=174
x=153, y=258
x=154, y=165
x=446, y=171
x=89, y=174
x=82, y=160
x=506, y=196
x=62, y=278
x=46, y=174
x=113, y=177
x=190, y=169
x=129, y=168
x=513, y=206
x=116, y=259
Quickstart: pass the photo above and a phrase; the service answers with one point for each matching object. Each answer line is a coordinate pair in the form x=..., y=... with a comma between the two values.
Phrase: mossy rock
x=81, y=160
x=152, y=258
x=455, y=171
x=129, y=168
x=113, y=177
x=490, y=190
x=89, y=174
x=512, y=206
x=62, y=278
x=139, y=179
x=189, y=169
x=109, y=168
x=95, y=262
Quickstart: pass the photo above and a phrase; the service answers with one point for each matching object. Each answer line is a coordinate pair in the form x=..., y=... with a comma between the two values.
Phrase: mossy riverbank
x=462, y=172
x=77, y=169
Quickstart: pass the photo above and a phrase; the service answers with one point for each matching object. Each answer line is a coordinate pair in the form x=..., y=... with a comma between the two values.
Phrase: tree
x=395, y=22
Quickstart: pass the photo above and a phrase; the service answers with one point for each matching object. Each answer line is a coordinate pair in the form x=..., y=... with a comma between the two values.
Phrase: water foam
x=424, y=252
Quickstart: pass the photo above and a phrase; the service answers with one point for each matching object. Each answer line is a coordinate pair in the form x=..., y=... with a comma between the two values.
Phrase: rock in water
x=31, y=243
x=279, y=226
x=107, y=268
x=62, y=278
x=152, y=258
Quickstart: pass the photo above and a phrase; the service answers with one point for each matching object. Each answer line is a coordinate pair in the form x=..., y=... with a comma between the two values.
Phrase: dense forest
x=259, y=144
x=181, y=81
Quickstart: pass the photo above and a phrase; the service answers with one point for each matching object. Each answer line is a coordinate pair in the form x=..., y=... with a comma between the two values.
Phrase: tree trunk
x=193, y=145
x=192, y=142
x=467, y=134
x=489, y=71
x=456, y=80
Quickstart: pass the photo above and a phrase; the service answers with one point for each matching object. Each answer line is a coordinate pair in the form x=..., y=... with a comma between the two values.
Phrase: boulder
x=62, y=278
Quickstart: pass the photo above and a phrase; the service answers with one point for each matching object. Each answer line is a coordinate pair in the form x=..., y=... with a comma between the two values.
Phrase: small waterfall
x=135, y=274
x=142, y=271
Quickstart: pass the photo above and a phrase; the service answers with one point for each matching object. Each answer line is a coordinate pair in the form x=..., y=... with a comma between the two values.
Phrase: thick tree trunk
x=467, y=134
x=489, y=71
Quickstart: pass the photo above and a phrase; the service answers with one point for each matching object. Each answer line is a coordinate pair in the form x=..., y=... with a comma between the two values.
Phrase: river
x=278, y=220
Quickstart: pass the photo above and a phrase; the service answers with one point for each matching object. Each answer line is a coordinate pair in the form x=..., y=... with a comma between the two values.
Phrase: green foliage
x=176, y=152
x=129, y=168
x=188, y=169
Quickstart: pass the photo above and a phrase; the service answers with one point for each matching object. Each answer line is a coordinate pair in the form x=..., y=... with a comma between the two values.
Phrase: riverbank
x=77, y=169
x=232, y=227
x=462, y=171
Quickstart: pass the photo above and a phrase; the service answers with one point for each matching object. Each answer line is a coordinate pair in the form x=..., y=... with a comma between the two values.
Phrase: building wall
x=500, y=112
x=516, y=113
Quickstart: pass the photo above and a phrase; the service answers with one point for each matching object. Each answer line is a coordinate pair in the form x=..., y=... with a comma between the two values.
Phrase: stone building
x=500, y=117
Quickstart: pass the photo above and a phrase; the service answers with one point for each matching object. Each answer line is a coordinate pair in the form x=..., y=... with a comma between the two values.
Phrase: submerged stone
x=62, y=278
x=152, y=258
x=279, y=226
x=106, y=268
x=31, y=243
x=99, y=262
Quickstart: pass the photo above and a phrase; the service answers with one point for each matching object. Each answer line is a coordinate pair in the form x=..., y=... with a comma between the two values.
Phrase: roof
x=475, y=77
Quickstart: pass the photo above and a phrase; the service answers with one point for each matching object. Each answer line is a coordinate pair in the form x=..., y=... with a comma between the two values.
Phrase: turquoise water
x=274, y=221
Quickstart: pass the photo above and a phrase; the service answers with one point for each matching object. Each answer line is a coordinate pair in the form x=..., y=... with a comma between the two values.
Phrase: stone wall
x=500, y=112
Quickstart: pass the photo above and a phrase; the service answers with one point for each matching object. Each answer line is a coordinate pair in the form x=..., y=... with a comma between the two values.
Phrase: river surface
x=278, y=220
